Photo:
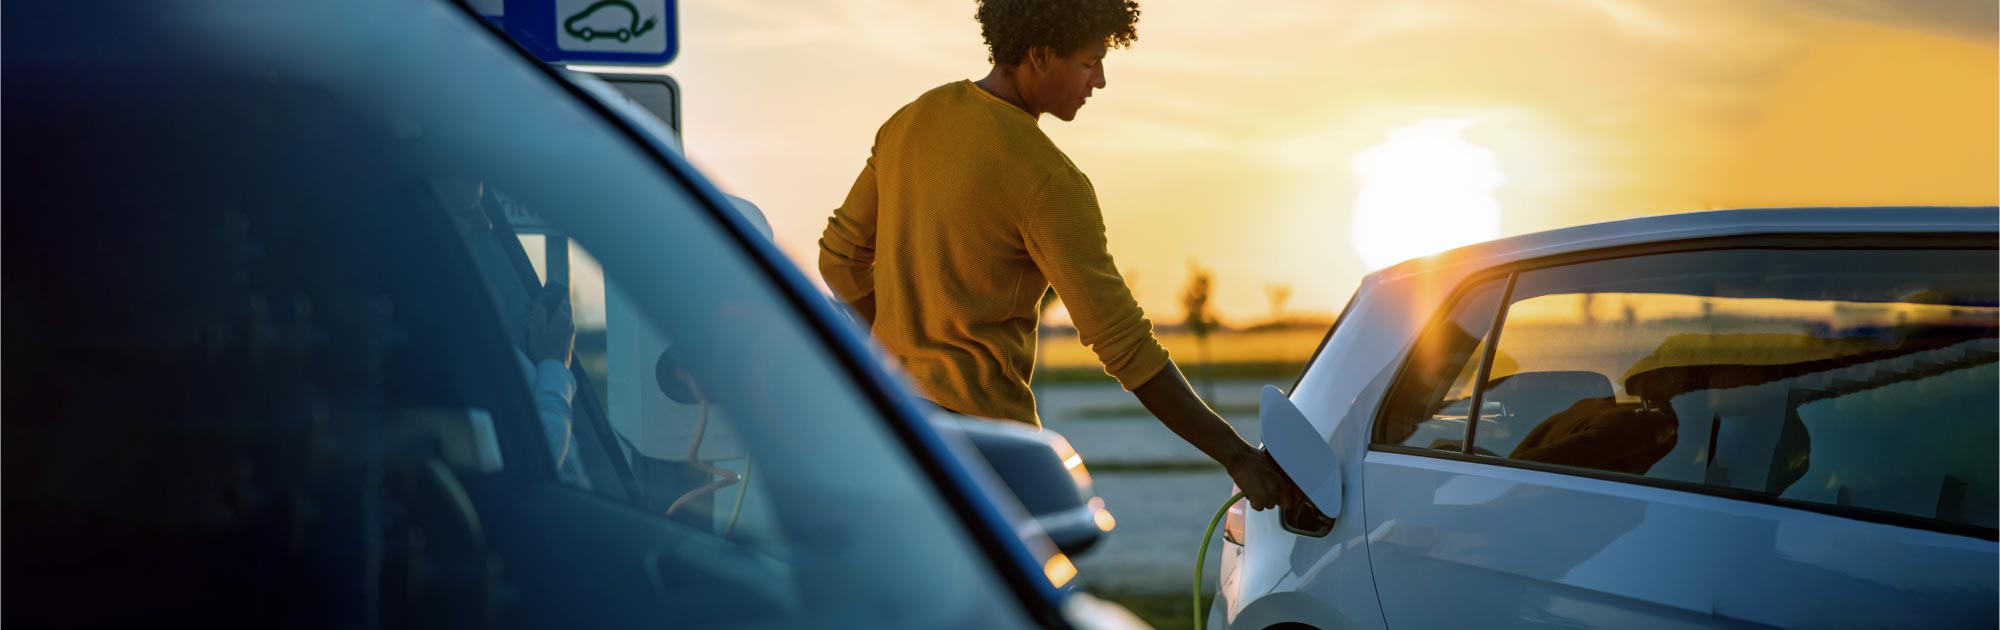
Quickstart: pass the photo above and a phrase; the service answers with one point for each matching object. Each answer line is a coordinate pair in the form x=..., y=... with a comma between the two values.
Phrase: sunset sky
x=1306, y=142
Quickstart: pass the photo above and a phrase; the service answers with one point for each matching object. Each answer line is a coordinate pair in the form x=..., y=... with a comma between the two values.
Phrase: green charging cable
x=1201, y=557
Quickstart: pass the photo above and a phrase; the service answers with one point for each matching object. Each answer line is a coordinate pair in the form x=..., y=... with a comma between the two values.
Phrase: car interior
x=1825, y=385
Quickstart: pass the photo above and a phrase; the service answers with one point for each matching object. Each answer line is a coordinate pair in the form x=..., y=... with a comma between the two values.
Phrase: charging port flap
x=1304, y=455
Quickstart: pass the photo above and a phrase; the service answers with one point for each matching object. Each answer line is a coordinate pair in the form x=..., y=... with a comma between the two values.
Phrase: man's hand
x=865, y=308
x=551, y=336
x=1263, y=483
x=1174, y=402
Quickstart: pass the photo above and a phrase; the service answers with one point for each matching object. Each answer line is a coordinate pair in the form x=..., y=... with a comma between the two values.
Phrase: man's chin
x=1064, y=116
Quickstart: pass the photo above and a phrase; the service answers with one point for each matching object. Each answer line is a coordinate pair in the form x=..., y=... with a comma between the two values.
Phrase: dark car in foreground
x=269, y=275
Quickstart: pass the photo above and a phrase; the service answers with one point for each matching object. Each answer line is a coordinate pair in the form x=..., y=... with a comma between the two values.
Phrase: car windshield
x=715, y=458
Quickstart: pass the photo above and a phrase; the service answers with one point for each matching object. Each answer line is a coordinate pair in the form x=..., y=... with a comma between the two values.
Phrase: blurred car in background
x=270, y=275
x=1723, y=419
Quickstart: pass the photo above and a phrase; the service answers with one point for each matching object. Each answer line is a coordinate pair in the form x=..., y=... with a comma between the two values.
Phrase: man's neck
x=1001, y=84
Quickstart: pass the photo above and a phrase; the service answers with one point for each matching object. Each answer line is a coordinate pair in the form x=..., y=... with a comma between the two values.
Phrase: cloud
x=1969, y=19
x=918, y=34
x=1639, y=20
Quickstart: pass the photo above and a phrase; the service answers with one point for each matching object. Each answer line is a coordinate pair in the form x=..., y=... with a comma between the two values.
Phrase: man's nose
x=1097, y=78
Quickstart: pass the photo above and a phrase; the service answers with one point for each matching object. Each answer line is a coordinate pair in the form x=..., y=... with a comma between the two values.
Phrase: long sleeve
x=1064, y=233
x=554, y=392
x=847, y=247
x=962, y=211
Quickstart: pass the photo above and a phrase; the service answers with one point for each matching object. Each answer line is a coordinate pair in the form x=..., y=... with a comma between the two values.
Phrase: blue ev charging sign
x=621, y=32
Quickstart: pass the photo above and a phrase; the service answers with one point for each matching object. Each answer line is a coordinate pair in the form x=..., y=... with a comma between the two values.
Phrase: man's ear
x=1040, y=58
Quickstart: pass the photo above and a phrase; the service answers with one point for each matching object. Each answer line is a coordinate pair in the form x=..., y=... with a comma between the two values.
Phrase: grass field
x=1129, y=410
x=1160, y=610
x=1292, y=346
x=1274, y=355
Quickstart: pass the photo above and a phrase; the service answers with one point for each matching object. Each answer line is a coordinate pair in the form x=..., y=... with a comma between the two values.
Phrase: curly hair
x=1013, y=27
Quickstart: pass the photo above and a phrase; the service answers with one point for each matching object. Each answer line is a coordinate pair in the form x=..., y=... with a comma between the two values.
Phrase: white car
x=1722, y=419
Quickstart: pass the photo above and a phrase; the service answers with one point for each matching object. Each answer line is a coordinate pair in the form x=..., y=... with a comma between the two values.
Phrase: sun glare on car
x=1424, y=190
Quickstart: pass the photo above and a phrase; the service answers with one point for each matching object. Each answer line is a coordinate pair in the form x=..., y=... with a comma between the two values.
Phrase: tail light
x=1232, y=524
x=1059, y=570
x=1072, y=461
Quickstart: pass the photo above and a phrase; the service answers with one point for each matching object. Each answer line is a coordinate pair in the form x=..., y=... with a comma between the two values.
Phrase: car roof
x=1706, y=224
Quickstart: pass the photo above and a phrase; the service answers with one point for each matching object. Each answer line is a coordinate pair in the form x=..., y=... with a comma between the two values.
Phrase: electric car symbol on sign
x=1722, y=419
x=616, y=19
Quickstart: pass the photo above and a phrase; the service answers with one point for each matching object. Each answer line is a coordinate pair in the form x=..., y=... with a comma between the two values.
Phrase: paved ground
x=1150, y=480
x=1160, y=520
x=1135, y=437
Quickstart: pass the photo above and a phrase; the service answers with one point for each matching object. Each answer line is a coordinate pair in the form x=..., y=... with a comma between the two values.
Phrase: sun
x=1424, y=190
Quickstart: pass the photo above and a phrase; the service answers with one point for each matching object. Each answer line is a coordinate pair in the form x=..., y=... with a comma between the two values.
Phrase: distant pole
x=1279, y=295
x=1195, y=299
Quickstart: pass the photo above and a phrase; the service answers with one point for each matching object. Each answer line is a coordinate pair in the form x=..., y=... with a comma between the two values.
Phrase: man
x=548, y=340
x=965, y=213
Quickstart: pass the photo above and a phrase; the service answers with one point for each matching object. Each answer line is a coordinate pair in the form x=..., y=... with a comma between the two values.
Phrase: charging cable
x=724, y=476
x=742, y=490
x=1201, y=557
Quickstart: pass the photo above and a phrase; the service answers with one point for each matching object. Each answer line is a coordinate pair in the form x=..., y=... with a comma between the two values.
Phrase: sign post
x=656, y=93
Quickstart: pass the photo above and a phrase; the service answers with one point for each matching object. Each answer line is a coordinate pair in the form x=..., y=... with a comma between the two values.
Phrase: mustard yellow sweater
x=964, y=214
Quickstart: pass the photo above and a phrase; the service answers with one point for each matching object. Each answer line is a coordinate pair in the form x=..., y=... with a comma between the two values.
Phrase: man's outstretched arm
x=1174, y=402
x=1064, y=233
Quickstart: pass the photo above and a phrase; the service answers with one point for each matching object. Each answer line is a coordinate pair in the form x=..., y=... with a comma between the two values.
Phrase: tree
x=1195, y=300
x=1279, y=294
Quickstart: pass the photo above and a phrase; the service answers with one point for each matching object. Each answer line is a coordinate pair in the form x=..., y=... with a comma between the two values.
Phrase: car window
x=507, y=244
x=703, y=399
x=680, y=446
x=1428, y=406
x=1850, y=378
x=723, y=416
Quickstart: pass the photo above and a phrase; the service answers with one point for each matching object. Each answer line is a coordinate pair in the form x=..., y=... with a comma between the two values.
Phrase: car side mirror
x=665, y=373
x=1303, y=454
x=1046, y=474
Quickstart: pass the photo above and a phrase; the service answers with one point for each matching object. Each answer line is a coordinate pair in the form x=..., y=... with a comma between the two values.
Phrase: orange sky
x=1230, y=133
